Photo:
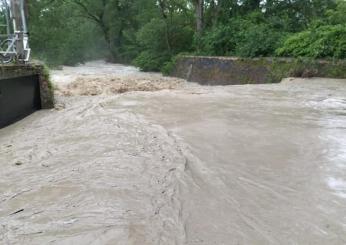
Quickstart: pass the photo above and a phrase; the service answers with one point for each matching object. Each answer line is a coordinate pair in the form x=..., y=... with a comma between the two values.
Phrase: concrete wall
x=46, y=90
x=230, y=70
x=23, y=90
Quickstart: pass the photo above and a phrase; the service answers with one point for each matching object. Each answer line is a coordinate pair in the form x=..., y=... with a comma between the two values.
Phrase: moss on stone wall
x=307, y=68
x=46, y=87
x=230, y=70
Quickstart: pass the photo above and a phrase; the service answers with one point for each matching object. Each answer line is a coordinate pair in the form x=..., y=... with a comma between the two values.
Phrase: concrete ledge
x=16, y=71
x=232, y=70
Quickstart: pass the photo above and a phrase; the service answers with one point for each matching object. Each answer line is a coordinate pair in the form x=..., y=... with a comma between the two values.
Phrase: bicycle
x=14, y=46
x=8, y=50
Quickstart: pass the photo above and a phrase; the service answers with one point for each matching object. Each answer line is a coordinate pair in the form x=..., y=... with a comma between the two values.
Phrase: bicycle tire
x=6, y=58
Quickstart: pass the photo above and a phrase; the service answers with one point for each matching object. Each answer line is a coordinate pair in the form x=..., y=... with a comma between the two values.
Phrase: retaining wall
x=23, y=90
x=231, y=70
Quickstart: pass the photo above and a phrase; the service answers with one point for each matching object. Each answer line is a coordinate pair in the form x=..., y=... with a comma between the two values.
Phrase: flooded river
x=177, y=163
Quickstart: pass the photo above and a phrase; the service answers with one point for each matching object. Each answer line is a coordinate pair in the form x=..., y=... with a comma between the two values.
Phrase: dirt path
x=257, y=164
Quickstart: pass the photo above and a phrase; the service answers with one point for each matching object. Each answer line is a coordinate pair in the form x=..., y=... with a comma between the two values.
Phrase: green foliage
x=159, y=40
x=149, y=61
x=338, y=14
x=326, y=38
x=152, y=36
x=154, y=50
x=258, y=40
x=248, y=36
x=169, y=66
x=46, y=76
x=220, y=40
x=305, y=67
x=148, y=33
x=57, y=37
x=321, y=42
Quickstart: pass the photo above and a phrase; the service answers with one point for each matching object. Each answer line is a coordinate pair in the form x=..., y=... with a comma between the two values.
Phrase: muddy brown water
x=250, y=164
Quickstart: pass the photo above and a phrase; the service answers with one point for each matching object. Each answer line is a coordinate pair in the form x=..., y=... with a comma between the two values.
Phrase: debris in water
x=18, y=163
x=19, y=211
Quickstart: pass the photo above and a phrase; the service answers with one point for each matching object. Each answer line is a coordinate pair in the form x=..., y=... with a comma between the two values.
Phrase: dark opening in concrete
x=19, y=97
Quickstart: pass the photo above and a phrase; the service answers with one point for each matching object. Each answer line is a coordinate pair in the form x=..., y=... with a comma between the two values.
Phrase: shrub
x=150, y=61
x=156, y=48
x=151, y=36
x=247, y=36
x=220, y=40
x=337, y=15
x=169, y=66
x=319, y=42
x=258, y=40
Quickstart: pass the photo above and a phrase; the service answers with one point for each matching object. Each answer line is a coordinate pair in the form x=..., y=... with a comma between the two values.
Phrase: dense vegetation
x=149, y=33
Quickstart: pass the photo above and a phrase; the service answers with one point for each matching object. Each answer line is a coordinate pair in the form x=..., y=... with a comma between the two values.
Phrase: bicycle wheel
x=6, y=58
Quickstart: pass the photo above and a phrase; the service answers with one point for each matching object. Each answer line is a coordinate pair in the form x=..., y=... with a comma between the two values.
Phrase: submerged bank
x=251, y=164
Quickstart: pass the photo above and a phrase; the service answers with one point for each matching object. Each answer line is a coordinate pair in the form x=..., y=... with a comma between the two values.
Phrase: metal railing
x=14, y=45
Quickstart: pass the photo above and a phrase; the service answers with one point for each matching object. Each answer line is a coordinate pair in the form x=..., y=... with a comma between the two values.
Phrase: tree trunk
x=165, y=18
x=199, y=8
x=19, y=26
x=215, y=7
x=252, y=4
x=108, y=40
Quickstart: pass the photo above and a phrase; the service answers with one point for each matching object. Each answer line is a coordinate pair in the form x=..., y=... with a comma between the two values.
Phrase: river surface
x=177, y=164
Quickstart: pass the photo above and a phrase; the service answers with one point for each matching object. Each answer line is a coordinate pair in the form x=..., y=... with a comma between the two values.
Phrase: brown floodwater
x=248, y=164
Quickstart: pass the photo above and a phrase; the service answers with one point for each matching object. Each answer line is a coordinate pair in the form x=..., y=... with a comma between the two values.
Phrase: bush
x=258, y=40
x=58, y=38
x=152, y=36
x=220, y=40
x=169, y=66
x=150, y=61
x=337, y=15
x=328, y=41
x=156, y=49
x=247, y=36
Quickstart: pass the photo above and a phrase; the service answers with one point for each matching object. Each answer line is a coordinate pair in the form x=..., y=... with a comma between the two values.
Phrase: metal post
x=7, y=16
x=18, y=27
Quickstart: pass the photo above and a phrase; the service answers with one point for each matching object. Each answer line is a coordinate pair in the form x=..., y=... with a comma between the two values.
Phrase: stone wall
x=46, y=89
x=231, y=70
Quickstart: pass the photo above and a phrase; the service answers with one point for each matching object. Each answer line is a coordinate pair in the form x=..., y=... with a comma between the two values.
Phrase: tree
x=251, y=5
x=199, y=12
x=58, y=37
x=150, y=32
x=111, y=16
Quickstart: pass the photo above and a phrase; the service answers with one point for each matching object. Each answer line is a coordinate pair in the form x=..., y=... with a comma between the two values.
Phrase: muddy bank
x=251, y=164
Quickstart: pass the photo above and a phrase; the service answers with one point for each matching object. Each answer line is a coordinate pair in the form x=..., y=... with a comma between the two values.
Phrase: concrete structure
x=23, y=90
x=231, y=70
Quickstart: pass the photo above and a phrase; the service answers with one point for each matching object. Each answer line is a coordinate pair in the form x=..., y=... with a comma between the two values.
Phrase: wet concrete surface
x=248, y=164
